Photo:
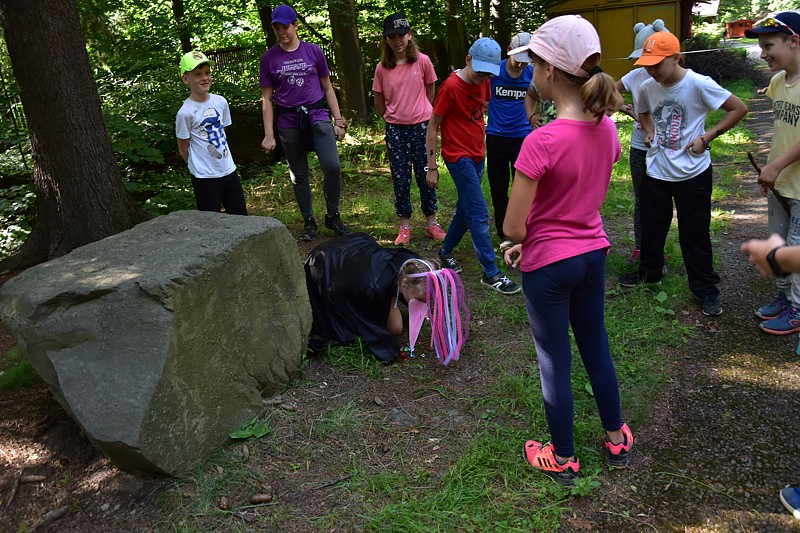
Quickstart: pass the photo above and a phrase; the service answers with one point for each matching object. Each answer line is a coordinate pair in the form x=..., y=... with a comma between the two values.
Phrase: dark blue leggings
x=564, y=293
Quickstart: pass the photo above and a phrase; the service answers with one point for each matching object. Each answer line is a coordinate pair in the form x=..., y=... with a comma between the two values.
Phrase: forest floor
x=712, y=456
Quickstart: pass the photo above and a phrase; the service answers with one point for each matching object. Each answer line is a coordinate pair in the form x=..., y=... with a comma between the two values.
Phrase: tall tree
x=79, y=191
x=456, y=34
x=265, y=16
x=183, y=28
x=500, y=22
x=350, y=70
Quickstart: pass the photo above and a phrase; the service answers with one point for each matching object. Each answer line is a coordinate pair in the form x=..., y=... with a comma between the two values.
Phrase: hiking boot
x=309, y=229
x=774, y=308
x=639, y=278
x=334, y=222
x=448, y=261
x=710, y=305
x=436, y=232
x=617, y=454
x=505, y=245
x=403, y=237
x=501, y=284
x=790, y=498
x=636, y=254
x=783, y=324
x=542, y=458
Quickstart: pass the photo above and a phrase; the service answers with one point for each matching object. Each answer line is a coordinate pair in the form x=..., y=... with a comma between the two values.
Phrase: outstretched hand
x=513, y=256
x=757, y=249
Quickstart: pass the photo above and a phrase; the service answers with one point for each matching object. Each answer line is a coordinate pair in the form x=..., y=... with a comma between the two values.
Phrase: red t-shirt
x=462, y=105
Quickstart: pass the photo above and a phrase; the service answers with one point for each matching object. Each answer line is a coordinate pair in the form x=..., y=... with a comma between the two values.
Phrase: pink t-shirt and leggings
x=563, y=265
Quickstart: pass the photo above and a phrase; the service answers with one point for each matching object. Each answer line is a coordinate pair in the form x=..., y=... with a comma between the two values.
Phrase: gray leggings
x=297, y=156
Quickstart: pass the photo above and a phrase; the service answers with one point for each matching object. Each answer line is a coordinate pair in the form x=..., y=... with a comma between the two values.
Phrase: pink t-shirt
x=403, y=88
x=572, y=161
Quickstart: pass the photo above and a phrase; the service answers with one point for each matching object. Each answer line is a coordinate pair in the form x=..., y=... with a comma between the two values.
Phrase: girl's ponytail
x=599, y=92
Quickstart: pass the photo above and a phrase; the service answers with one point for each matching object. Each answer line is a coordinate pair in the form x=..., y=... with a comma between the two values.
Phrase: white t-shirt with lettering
x=679, y=113
x=204, y=123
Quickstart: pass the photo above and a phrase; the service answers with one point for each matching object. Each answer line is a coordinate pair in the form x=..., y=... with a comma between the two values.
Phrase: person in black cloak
x=352, y=284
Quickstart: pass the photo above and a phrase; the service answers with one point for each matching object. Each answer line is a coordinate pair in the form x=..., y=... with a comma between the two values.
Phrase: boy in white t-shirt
x=780, y=178
x=672, y=108
x=200, y=129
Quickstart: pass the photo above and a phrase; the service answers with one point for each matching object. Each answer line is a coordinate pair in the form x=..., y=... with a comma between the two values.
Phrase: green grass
x=486, y=486
x=18, y=373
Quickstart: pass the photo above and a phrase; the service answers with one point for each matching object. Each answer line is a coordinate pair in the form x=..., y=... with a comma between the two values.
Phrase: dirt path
x=718, y=447
x=722, y=439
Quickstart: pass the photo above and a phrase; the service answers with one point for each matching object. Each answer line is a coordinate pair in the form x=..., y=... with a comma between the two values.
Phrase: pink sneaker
x=403, y=236
x=436, y=232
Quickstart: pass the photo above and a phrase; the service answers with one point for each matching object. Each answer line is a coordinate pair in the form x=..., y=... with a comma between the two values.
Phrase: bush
x=722, y=65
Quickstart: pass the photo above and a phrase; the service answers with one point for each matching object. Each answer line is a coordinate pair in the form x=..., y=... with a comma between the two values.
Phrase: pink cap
x=565, y=42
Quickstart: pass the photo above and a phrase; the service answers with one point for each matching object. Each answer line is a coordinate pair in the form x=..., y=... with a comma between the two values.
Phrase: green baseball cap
x=192, y=60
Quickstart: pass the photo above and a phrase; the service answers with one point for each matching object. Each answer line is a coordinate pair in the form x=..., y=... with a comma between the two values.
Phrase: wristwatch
x=773, y=263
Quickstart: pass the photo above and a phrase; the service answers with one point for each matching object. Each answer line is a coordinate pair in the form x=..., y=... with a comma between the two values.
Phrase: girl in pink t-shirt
x=562, y=176
x=403, y=88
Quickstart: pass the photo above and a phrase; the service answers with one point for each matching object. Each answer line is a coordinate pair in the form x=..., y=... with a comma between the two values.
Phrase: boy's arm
x=431, y=149
x=649, y=127
x=736, y=110
x=268, y=144
x=769, y=173
x=183, y=148
x=339, y=125
x=625, y=108
x=531, y=104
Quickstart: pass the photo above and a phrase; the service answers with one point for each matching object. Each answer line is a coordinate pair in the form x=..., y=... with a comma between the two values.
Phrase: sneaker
x=636, y=254
x=501, y=284
x=790, y=498
x=309, y=229
x=436, y=232
x=774, y=308
x=505, y=245
x=541, y=457
x=403, y=237
x=783, y=324
x=639, y=278
x=711, y=306
x=448, y=261
x=334, y=222
x=617, y=454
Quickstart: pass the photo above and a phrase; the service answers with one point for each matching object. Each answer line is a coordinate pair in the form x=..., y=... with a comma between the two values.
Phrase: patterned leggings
x=406, y=148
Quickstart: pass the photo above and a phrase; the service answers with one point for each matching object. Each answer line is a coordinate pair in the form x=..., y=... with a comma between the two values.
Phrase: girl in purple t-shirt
x=403, y=87
x=562, y=176
x=295, y=76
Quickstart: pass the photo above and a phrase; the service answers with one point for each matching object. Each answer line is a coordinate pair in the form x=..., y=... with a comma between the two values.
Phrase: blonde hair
x=598, y=92
x=415, y=266
x=388, y=60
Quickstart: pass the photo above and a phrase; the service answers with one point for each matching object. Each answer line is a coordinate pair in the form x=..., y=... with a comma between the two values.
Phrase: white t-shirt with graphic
x=679, y=113
x=632, y=81
x=204, y=123
x=786, y=121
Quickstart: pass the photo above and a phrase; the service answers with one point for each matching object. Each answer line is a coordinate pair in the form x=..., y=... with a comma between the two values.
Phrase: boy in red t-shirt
x=458, y=109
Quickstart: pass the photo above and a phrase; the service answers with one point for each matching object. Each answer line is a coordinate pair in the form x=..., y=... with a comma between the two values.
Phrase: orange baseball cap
x=660, y=45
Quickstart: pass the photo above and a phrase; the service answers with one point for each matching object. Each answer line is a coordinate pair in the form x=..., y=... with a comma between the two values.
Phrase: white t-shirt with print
x=204, y=123
x=632, y=81
x=679, y=113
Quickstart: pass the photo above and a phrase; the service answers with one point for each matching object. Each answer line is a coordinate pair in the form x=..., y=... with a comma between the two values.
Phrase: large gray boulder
x=162, y=339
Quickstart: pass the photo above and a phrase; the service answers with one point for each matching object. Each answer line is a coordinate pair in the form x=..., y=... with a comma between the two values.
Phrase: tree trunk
x=80, y=197
x=500, y=20
x=183, y=29
x=265, y=16
x=350, y=70
x=456, y=34
x=486, y=18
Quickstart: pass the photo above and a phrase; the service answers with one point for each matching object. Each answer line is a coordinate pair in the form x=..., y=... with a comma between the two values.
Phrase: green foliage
x=253, y=428
x=19, y=373
x=16, y=211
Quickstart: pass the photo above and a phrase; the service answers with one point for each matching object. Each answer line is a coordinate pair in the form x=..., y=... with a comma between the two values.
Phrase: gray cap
x=521, y=39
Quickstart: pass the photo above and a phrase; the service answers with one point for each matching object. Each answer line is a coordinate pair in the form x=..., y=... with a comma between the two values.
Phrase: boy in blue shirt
x=512, y=114
x=200, y=129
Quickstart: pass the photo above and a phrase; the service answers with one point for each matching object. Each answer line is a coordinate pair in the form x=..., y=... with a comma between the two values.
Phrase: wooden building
x=614, y=20
x=736, y=28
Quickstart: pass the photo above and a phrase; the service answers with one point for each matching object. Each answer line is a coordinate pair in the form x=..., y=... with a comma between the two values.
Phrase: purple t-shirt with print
x=294, y=77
